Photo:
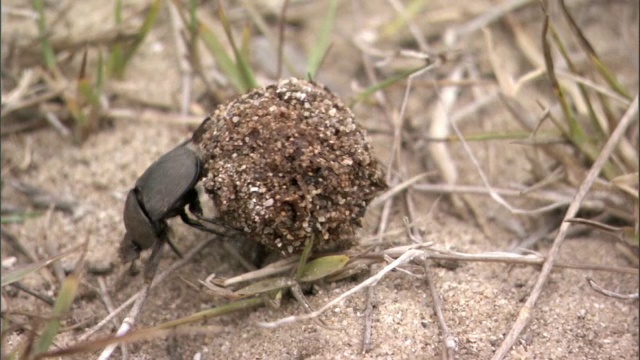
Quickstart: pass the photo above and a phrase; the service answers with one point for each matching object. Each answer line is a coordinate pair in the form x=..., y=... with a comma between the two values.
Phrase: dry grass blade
x=610, y=293
x=135, y=336
x=398, y=189
x=531, y=259
x=273, y=269
x=439, y=128
x=607, y=74
x=494, y=13
x=161, y=277
x=19, y=274
x=565, y=157
x=136, y=309
x=234, y=306
x=574, y=131
x=85, y=105
x=628, y=183
x=265, y=286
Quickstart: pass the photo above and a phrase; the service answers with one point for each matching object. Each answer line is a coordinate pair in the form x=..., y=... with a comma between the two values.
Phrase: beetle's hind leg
x=151, y=267
x=174, y=248
x=196, y=210
x=198, y=225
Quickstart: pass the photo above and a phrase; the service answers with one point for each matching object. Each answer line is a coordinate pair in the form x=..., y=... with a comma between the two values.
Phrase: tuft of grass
x=572, y=127
x=85, y=105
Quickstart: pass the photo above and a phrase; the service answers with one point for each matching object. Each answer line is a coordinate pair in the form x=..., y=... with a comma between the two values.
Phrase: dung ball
x=286, y=163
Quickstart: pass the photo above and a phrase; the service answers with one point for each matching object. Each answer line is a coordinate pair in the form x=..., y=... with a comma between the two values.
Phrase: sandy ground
x=480, y=300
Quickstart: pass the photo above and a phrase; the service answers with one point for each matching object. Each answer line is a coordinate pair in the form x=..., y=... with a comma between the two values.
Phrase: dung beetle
x=163, y=191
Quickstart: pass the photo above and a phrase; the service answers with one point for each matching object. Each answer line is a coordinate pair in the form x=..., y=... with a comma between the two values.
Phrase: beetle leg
x=213, y=221
x=196, y=209
x=151, y=266
x=194, y=203
x=174, y=248
x=198, y=225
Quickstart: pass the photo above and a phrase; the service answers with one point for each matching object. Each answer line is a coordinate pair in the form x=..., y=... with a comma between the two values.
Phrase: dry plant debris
x=287, y=163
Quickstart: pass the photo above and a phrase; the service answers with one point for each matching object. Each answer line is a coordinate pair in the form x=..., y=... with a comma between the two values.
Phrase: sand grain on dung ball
x=286, y=163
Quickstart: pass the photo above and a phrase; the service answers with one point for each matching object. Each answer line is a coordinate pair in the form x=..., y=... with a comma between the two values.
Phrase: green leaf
x=322, y=267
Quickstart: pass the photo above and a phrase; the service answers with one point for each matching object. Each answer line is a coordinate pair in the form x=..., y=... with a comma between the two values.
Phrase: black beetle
x=162, y=192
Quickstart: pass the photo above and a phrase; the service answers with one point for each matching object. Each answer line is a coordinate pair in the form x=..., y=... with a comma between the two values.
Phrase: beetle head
x=140, y=231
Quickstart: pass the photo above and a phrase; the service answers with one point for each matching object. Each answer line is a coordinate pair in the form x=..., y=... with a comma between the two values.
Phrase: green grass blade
x=63, y=303
x=193, y=19
x=225, y=62
x=123, y=54
x=244, y=70
x=306, y=253
x=583, y=91
x=394, y=79
x=47, y=50
x=100, y=77
x=19, y=217
x=321, y=45
x=604, y=71
x=411, y=10
x=576, y=133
